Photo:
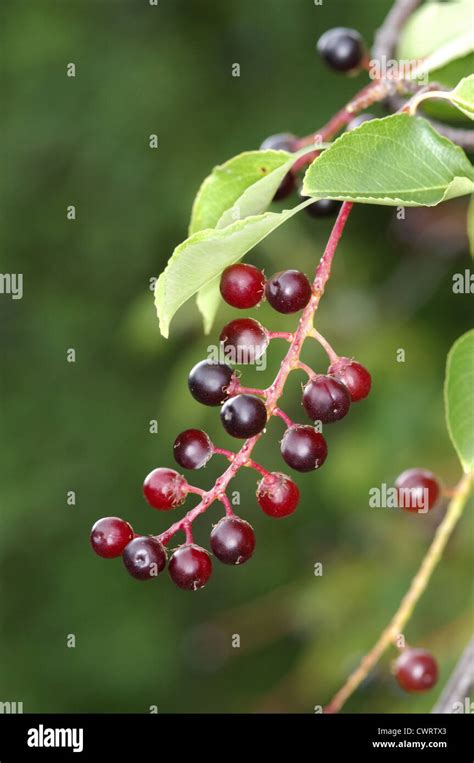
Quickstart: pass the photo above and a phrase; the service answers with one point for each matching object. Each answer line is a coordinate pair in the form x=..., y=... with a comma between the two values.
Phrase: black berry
x=416, y=670
x=144, y=557
x=244, y=416
x=242, y=286
x=283, y=141
x=358, y=121
x=326, y=399
x=208, y=382
x=165, y=489
x=277, y=495
x=232, y=540
x=244, y=340
x=286, y=187
x=303, y=448
x=323, y=208
x=356, y=378
x=109, y=536
x=192, y=449
x=342, y=49
x=288, y=291
x=190, y=567
x=417, y=490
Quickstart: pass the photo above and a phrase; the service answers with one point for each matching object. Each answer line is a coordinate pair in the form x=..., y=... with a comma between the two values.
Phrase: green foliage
x=459, y=398
x=463, y=96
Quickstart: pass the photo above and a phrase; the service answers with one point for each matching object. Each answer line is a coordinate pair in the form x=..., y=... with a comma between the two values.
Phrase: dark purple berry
x=192, y=449
x=342, y=49
x=109, y=536
x=356, y=378
x=303, y=448
x=417, y=490
x=190, y=567
x=277, y=495
x=232, y=540
x=208, y=382
x=165, y=489
x=283, y=141
x=244, y=415
x=286, y=187
x=358, y=121
x=326, y=399
x=416, y=670
x=288, y=291
x=144, y=557
x=323, y=208
x=242, y=286
x=244, y=340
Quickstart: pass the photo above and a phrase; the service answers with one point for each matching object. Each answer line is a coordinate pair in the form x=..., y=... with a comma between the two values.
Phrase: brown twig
x=459, y=684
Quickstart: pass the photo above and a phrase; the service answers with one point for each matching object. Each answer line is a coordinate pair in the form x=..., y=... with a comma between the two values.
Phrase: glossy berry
x=232, y=540
x=242, y=286
x=244, y=415
x=192, y=449
x=416, y=670
x=359, y=120
x=342, y=49
x=283, y=141
x=109, y=536
x=190, y=567
x=323, y=208
x=208, y=382
x=417, y=490
x=286, y=187
x=244, y=340
x=326, y=399
x=165, y=489
x=288, y=291
x=144, y=557
x=303, y=448
x=356, y=378
x=277, y=495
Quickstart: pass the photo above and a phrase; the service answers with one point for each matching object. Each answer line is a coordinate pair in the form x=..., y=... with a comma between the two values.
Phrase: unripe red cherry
x=190, y=567
x=244, y=340
x=416, y=670
x=417, y=490
x=288, y=291
x=277, y=495
x=109, y=536
x=232, y=540
x=244, y=415
x=192, y=449
x=326, y=399
x=144, y=557
x=165, y=489
x=242, y=285
x=303, y=448
x=208, y=382
x=356, y=378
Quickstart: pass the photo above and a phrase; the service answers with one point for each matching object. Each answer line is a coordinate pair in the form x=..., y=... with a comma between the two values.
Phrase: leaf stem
x=409, y=601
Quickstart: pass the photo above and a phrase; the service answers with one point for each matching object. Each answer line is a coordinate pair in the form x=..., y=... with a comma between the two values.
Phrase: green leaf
x=204, y=255
x=463, y=96
x=398, y=160
x=459, y=398
x=243, y=186
x=221, y=189
x=470, y=225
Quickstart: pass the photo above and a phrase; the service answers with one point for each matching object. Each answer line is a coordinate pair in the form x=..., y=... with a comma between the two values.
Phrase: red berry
x=232, y=540
x=192, y=449
x=342, y=49
x=416, y=670
x=190, y=567
x=109, y=536
x=208, y=382
x=326, y=399
x=417, y=490
x=288, y=291
x=303, y=448
x=244, y=415
x=165, y=489
x=277, y=495
x=356, y=378
x=144, y=557
x=242, y=286
x=244, y=340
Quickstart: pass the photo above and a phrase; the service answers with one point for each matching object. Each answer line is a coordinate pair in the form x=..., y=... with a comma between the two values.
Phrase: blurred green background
x=85, y=426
